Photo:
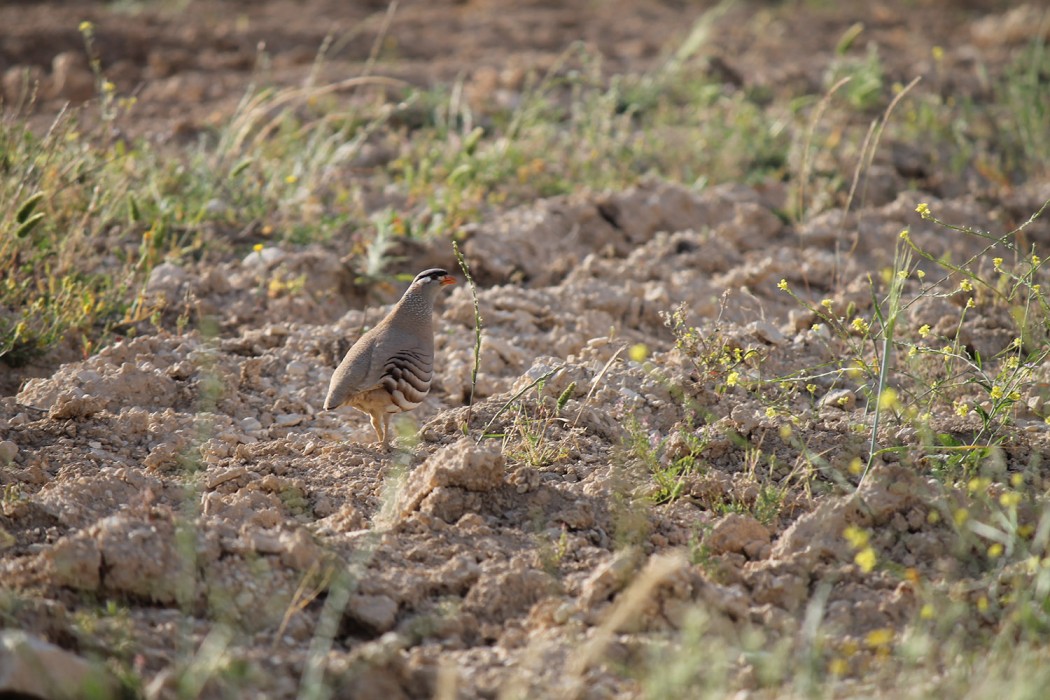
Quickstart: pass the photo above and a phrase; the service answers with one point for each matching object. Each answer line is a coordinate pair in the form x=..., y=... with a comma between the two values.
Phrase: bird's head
x=435, y=276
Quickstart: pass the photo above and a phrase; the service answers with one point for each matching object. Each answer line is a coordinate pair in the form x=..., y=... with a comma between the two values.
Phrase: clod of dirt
x=740, y=534
x=23, y=657
x=443, y=485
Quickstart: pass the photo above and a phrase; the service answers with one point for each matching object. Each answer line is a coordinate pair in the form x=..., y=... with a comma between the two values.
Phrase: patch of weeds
x=864, y=91
x=1025, y=105
x=719, y=362
x=552, y=553
x=649, y=451
x=538, y=432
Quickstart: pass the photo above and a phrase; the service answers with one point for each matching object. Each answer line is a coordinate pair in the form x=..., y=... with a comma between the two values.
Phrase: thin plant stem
x=477, y=327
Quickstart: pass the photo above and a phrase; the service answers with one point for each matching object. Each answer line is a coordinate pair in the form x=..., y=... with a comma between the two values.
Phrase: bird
x=389, y=369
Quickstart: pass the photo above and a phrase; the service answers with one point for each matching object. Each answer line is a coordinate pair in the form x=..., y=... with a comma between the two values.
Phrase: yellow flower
x=85, y=27
x=998, y=263
x=982, y=604
x=921, y=274
x=938, y=53
x=855, y=466
x=1036, y=260
x=924, y=330
x=860, y=325
x=826, y=303
x=926, y=612
x=257, y=247
x=866, y=559
x=811, y=388
x=1009, y=499
x=1016, y=480
x=966, y=286
x=960, y=516
x=902, y=274
x=639, y=352
x=291, y=179
x=905, y=233
x=879, y=638
x=996, y=392
x=838, y=667
x=782, y=285
x=888, y=399
x=732, y=378
x=858, y=537
x=995, y=550
x=970, y=303
x=771, y=412
x=108, y=86
x=924, y=210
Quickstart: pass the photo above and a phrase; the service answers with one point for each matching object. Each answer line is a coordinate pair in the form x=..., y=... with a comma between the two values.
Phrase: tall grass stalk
x=477, y=327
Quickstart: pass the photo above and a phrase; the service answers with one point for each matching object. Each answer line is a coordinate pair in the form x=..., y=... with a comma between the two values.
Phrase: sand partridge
x=388, y=370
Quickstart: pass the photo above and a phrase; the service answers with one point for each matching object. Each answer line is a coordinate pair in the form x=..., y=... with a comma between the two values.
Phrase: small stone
x=167, y=278
x=265, y=258
x=250, y=424
x=843, y=399
x=216, y=208
x=225, y=475
x=296, y=368
x=375, y=613
x=70, y=77
x=287, y=420
x=8, y=452
x=766, y=332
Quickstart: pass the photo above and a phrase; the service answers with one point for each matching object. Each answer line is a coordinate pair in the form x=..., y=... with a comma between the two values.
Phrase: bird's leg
x=378, y=425
x=386, y=431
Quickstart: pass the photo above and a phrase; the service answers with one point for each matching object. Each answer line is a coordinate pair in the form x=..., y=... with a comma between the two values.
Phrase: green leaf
x=24, y=211
x=133, y=209
x=28, y=225
x=241, y=167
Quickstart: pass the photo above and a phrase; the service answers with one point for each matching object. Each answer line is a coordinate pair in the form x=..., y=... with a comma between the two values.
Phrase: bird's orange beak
x=447, y=280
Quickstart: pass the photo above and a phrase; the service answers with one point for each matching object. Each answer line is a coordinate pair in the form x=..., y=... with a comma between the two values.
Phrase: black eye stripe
x=431, y=275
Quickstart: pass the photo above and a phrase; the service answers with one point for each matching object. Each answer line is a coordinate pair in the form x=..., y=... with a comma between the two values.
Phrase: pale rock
x=288, y=420
x=376, y=614
x=31, y=667
x=739, y=533
x=8, y=451
x=71, y=79
x=167, y=279
x=250, y=424
x=75, y=562
x=766, y=332
x=267, y=258
x=610, y=577
x=842, y=399
x=20, y=83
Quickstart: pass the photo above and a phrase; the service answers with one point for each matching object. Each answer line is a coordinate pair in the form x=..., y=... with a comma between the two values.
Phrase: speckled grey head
x=420, y=295
x=434, y=274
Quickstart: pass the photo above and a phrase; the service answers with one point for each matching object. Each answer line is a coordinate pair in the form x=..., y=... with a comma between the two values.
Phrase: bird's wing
x=355, y=373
